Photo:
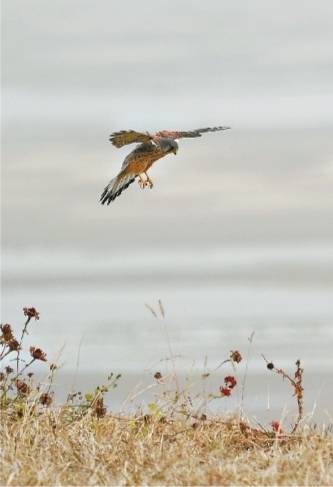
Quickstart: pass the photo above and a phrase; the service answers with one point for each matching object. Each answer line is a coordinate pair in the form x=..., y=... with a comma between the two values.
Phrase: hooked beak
x=175, y=151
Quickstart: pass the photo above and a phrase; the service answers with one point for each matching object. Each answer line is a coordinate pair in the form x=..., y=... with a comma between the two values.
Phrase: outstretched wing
x=124, y=137
x=173, y=134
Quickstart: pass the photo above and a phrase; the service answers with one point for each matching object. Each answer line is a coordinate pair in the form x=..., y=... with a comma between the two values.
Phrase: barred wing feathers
x=174, y=134
x=124, y=137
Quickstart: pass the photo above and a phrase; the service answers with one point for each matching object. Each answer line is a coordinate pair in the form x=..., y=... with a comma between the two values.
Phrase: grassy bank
x=172, y=441
x=52, y=448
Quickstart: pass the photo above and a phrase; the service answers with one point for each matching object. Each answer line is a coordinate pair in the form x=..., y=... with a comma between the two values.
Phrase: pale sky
x=237, y=233
x=75, y=71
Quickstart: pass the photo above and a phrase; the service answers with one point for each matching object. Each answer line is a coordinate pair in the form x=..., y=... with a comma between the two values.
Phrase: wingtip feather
x=112, y=191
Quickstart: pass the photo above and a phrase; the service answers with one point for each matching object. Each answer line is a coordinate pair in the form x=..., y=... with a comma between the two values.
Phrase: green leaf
x=154, y=410
x=89, y=396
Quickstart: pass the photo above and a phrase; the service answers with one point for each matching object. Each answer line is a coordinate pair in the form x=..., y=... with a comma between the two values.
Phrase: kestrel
x=151, y=148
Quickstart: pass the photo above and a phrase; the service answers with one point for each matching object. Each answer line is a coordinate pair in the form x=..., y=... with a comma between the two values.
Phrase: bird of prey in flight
x=151, y=148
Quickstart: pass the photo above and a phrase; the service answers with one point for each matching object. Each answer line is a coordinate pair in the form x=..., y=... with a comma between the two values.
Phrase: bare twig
x=250, y=339
x=24, y=331
x=296, y=384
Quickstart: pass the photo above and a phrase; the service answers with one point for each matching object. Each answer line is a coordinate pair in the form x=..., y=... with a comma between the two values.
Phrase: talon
x=142, y=182
x=149, y=182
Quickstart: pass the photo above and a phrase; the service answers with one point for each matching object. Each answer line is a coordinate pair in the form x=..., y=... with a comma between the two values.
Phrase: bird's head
x=169, y=145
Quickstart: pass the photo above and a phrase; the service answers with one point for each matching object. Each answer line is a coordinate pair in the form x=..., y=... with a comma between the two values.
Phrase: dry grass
x=52, y=448
x=79, y=443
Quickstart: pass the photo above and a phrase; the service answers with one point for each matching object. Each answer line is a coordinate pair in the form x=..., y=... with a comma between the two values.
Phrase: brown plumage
x=152, y=147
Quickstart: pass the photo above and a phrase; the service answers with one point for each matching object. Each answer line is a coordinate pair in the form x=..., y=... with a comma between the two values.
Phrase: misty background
x=236, y=235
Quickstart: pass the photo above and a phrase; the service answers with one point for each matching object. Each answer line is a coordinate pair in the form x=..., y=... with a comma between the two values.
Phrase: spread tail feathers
x=115, y=187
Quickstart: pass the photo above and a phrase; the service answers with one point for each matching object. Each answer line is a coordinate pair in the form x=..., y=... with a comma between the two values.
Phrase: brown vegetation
x=80, y=443
x=51, y=449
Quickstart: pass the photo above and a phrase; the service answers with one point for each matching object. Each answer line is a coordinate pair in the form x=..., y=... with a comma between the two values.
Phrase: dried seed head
x=157, y=375
x=225, y=391
x=31, y=313
x=270, y=365
x=230, y=381
x=7, y=333
x=45, y=399
x=276, y=426
x=22, y=387
x=99, y=408
x=235, y=356
x=38, y=354
x=14, y=344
